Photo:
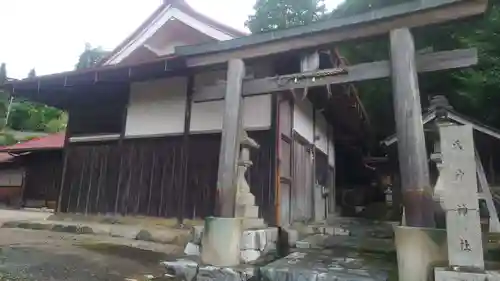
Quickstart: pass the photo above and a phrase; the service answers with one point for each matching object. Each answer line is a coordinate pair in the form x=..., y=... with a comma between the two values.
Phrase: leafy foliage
x=474, y=91
x=28, y=116
x=353, y=7
x=90, y=57
x=7, y=139
x=280, y=14
x=25, y=115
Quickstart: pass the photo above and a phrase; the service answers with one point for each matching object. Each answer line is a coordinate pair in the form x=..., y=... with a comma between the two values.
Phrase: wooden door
x=302, y=199
x=320, y=185
x=284, y=148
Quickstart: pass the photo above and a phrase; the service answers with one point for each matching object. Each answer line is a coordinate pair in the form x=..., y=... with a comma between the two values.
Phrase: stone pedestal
x=419, y=250
x=221, y=241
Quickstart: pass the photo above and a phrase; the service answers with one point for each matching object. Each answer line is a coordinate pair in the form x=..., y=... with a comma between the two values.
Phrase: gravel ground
x=42, y=255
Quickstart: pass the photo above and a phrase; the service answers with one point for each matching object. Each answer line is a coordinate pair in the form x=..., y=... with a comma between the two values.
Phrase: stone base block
x=302, y=245
x=292, y=235
x=253, y=243
x=191, y=271
x=182, y=269
x=212, y=273
x=254, y=239
x=192, y=249
x=221, y=241
x=443, y=274
x=196, y=234
x=418, y=249
x=249, y=256
x=259, y=239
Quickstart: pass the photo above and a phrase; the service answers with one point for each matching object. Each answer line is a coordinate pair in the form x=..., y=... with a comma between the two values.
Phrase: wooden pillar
x=310, y=62
x=332, y=202
x=64, y=167
x=230, y=140
x=185, y=147
x=416, y=189
x=120, y=146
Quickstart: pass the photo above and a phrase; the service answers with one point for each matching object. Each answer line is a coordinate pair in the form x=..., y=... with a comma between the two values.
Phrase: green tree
x=4, y=96
x=32, y=73
x=354, y=7
x=280, y=14
x=29, y=116
x=90, y=57
x=57, y=125
x=7, y=139
x=474, y=91
x=3, y=73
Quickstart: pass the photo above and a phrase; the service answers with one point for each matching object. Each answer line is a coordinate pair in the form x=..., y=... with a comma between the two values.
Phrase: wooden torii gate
x=402, y=68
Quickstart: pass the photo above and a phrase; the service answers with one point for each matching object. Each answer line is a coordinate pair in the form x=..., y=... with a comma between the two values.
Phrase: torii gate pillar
x=415, y=183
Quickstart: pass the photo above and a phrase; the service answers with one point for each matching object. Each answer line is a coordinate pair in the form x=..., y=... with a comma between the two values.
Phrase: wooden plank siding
x=43, y=175
x=152, y=177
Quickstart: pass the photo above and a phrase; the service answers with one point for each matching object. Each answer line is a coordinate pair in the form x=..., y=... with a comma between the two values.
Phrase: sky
x=49, y=35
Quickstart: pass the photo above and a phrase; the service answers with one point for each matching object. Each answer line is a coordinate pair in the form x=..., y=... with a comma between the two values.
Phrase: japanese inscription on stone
x=460, y=197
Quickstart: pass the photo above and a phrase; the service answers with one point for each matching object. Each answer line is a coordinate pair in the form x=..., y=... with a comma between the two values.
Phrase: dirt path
x=41, y=255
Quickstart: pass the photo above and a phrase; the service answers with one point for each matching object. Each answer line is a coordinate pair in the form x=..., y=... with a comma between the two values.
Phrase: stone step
x=325, y=265
x=246, y=199
x=253, y=223
x=247, y=211
x=349, y=227
x=320, y=241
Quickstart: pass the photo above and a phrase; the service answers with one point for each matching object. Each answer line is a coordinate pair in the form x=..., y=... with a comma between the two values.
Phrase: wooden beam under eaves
x=359, y=72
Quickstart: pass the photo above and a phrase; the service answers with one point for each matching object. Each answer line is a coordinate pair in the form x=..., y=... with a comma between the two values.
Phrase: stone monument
x=245, y=200
x=461, y=204
x=255, y=239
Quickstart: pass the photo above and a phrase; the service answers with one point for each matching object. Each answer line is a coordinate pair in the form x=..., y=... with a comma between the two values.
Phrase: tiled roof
x=5, y=157
x=50, y=142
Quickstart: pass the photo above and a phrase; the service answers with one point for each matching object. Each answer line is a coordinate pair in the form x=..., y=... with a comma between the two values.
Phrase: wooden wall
x=43, y=175
x=143, y=177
